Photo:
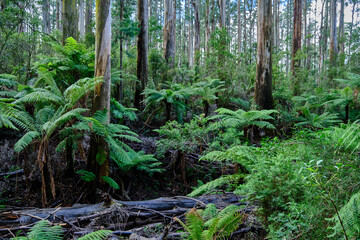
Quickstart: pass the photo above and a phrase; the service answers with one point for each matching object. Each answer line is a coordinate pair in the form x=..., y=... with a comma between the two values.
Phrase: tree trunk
x=69, y=20
x=88, y=17
x=333, y=39
x=169, y=31
x=342, y=33
x=239, y=29
x=196, y=4
x=207, y=28
x=222, y=5
x=119, y=88
x=276, y=29
x=46, y=16
x=101, y=100
x=81, y=19
x=321, y=37
x=58, y=14
x=190, y=34
x=142, y=51
x=296, y=45
x=263, y=80
x=351, y=26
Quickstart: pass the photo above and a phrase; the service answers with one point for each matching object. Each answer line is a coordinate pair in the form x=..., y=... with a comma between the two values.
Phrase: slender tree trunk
x=196, y=4
x=169, y=31
x=98, y=145
x=207, y=28
x=222, y=4
x=190, y=34
x=244, y=16
x=58, y=14
x=321, y=37
x=213, y=22
x=288, y=34
x=263, y=80
x=46, y=16
x=333, y=39
x=239, y=29
x=276, y=30
x=296, y=46
x=142, y=47
x=342, y=33
x=88, y=17
x=119, y=87
x=351, y=26
x=69, y=20
x=81, y=18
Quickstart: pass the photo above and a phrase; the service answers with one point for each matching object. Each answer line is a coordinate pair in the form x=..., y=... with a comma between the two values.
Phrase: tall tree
x=46, y=16
x=101, y=101
x=190, y=35
x=81, y=18
x=70, y=21
x=169, y=31
x=222, y=7
x=239, y=29
x=119, y=86
x=196, y=4
x=296, y=46
x=88, y=16
x=142, y=51
x=58, y=14
x=207, y=27
x=341, y=30
x=333, y=38
x=263, y=81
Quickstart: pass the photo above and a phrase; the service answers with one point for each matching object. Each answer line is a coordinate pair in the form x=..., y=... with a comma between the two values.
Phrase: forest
x=179, y=119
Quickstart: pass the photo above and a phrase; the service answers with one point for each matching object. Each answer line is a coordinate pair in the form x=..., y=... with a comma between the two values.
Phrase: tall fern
x=43, y=230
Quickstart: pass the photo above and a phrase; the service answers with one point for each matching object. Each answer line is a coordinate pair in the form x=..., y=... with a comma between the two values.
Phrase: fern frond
x=40, y=96
x=26, y=140
x=98, y=235
x=210, y=186
x=43, y=230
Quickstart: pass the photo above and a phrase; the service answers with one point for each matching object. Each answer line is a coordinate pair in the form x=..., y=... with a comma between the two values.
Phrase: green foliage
x=350, y=217
x=111, y=182
x=211, y=224
x=97, y=235
x=120, y=112
x=243, y=119
x=86, y=175
x=314, y=121
x=43, y=230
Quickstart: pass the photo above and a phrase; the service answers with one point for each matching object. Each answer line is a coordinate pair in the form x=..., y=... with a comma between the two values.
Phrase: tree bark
x=81, y=18
x=58, y=14
x=190, y=34
x=46, y=16
x=207, y=28
x=321, y=37
x=169, y=31
x=222, y=5
x=333, y=38
x=102, y=91
x=239, y=29
x=296, y=46
x=196, y=4
x=263, y=80
x=351, y=26
x=69, y=20
x=88, y=17
x=119, y=88
x=342, y=32
x=142, y=51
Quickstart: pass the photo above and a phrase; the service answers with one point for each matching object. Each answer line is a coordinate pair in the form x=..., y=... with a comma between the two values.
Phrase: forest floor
x=23, y=189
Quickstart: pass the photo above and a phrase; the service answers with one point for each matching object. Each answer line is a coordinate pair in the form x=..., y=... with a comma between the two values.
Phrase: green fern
x=243, y=119
x=215, y=184
x=209, y=224
x=350, y=217
x=43, y=230
x=97, y=235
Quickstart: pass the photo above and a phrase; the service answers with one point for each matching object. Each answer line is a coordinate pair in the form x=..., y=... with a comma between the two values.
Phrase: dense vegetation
x=207, y=113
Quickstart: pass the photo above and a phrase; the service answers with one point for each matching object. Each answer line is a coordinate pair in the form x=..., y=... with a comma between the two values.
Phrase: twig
x=12, y=173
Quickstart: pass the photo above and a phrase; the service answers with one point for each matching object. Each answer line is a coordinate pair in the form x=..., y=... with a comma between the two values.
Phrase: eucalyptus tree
x=333, y=34
x=169, y=31
x=70, y=22
x=142, y=51
x=263, y=81
x=98, y=147
x=296, y=46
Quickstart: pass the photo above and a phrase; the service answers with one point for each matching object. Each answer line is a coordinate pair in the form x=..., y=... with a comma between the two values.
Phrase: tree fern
x=241, y=118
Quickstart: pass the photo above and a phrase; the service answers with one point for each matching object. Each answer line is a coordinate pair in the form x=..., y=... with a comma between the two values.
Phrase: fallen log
x=166, y=207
